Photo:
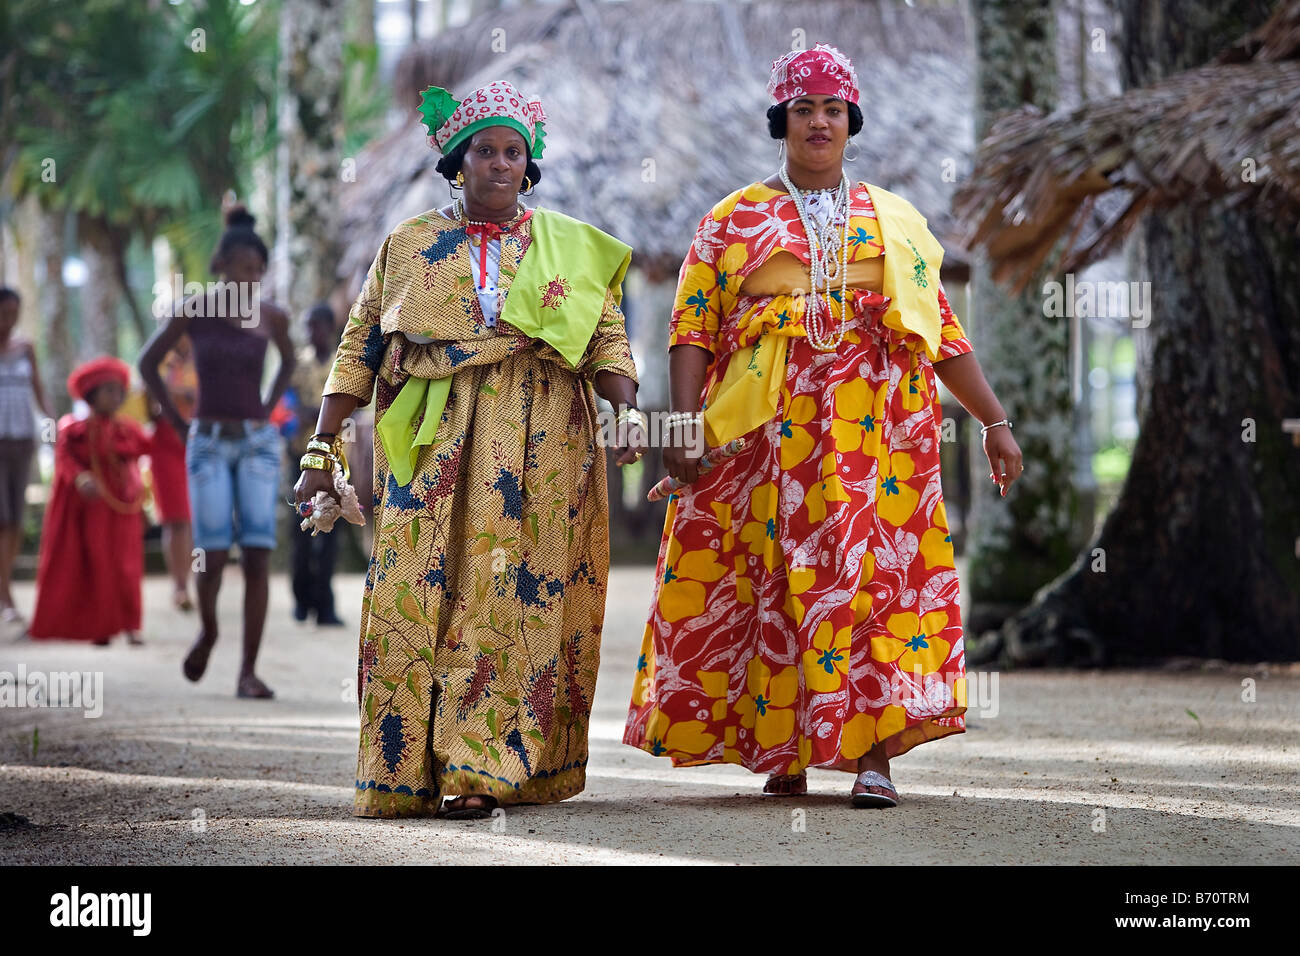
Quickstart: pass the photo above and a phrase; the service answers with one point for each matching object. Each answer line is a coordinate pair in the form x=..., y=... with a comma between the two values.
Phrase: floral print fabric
x=806, y=604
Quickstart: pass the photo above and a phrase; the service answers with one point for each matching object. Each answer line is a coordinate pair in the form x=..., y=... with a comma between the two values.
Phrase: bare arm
x=687, y=367
x=963, y=377
x=288, y=360
x=37, y=388
x=335, y=409
x=151, y=356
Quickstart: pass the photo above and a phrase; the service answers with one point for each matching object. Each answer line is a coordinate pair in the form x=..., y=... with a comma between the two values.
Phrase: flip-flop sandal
x=870, y=778
x=469, y=813
x=798, y=785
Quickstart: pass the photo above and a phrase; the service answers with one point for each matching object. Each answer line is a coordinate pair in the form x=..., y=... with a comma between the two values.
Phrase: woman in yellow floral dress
x=806, y=607
x=482, y=329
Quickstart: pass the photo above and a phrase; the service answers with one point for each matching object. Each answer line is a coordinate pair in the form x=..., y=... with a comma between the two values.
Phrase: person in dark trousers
x=313, y=556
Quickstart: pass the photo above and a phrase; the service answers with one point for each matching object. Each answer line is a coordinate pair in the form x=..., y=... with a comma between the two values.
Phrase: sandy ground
x=1092, y=768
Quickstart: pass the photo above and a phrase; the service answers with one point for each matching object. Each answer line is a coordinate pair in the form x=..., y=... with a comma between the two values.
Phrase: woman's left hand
x=1004, y=457
x=632, y=443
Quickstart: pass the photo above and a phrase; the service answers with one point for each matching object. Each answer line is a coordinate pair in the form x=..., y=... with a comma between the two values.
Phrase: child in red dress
x=92, y=542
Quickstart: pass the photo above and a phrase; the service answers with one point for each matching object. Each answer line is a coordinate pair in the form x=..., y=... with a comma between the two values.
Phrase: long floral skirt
x=485, y=595
x=806, y=604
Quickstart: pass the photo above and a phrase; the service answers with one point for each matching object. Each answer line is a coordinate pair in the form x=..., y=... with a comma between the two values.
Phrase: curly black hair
x=239, y=232
x=451, y=164
x=776, y=119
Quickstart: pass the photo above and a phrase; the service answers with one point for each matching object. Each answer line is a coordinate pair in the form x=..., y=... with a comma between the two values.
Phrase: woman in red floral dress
x=806, y=609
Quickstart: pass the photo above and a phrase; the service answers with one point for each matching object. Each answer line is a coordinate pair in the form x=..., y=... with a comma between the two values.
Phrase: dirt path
x=177, y=773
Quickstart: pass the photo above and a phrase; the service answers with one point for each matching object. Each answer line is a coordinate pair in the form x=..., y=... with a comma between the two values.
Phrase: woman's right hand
x=311, y=481
x=683, y=451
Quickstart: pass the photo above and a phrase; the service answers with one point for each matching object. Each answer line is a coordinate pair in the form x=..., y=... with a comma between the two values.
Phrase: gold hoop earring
x=460, y=180
x=528, y=184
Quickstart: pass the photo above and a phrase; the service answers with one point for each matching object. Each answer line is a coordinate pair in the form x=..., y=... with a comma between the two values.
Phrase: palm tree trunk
x=310, y=127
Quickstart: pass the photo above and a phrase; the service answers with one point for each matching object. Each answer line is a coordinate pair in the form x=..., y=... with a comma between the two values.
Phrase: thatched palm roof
x=657, y=111
x=1225, y=128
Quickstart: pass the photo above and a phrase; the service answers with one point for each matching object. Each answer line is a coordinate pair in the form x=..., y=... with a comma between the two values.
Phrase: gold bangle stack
x=325, y=455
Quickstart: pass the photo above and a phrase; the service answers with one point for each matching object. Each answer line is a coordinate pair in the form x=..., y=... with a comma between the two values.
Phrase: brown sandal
x=468, y=813
x=786, y=785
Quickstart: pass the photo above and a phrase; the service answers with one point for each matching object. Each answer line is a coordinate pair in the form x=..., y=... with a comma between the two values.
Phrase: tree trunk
x=1020, y=542
x=100, y=295
x=53, y=305
x=1201, y=555
x=311, y=134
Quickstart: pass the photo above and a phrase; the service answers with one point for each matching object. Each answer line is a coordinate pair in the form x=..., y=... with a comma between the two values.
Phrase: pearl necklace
x=458, y=211
x=823, y=242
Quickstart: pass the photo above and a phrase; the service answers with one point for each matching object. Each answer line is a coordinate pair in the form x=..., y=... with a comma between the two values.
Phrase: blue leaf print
x=515, y=741
x=390, y=736
x=513, y=504
x=444, y=245
x=372, y=353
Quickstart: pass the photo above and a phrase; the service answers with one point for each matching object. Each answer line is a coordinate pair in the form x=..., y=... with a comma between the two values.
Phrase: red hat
x=98, y=371
x=821, y=71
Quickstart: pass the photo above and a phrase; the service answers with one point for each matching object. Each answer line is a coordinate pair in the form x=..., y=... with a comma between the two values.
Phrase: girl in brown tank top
x=233, y=452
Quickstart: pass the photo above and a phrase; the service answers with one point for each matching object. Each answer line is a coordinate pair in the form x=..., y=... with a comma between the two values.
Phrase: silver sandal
x=870, y=778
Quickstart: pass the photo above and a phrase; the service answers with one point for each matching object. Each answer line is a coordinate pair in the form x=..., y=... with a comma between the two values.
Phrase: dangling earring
x=460, y=180
x=780, y=154
x=528, y=186
x=856, y=151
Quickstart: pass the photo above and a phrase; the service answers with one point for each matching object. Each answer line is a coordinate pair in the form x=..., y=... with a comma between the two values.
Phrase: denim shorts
x=234, y=485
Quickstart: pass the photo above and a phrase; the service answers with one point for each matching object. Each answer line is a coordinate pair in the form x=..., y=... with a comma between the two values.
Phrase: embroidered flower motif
x=555, y=292
x=918, y=268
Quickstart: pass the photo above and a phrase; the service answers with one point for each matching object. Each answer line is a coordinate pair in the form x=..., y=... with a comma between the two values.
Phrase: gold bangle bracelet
x=318, y=462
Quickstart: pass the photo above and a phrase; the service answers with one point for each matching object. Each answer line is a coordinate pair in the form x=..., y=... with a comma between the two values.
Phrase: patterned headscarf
x=450, y=122
x=821, y=71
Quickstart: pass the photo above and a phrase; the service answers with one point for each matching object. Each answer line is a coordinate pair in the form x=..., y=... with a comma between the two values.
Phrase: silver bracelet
x=984, y=429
